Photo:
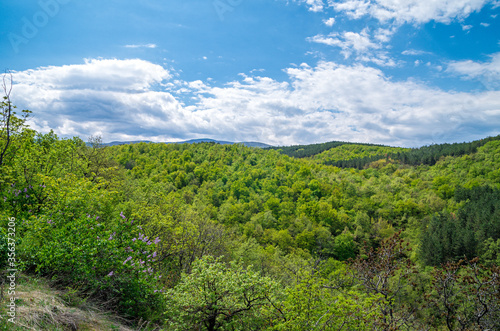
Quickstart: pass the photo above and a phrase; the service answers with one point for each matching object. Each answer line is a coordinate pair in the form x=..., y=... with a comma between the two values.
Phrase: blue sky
x=405, y=73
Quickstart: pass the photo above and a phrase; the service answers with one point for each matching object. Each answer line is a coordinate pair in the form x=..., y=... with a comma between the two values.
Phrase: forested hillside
x=226, y=237
x=417, y=156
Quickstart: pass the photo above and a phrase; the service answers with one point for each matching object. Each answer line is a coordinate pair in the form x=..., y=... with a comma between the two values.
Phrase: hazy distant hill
x=195, y=141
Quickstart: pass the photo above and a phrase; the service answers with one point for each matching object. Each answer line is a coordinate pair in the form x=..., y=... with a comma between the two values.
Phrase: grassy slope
x=40, y=307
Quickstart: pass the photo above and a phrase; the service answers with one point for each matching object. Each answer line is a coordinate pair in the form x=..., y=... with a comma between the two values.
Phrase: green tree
x=322, y=298
x=216, y=296
x=11, y=126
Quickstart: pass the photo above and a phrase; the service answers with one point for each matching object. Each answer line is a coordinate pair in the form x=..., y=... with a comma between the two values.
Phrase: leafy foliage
x=220, y=297
x=323, y=298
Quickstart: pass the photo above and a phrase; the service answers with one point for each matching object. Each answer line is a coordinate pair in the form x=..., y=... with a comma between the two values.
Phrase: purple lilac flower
x=154, y=254
x=123, y=216
x=140, y=236
x=111, y=274
x=97, y=217
x=27, y=196
x=134, y=239
x=25, y=189
x=4, y=199
x=128, y=259
x=157, y=240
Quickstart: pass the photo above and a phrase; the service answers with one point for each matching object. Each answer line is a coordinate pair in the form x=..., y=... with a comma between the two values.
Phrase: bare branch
x=7, y=116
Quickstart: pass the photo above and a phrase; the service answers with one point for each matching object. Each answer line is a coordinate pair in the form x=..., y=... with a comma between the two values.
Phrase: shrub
x=112, y=261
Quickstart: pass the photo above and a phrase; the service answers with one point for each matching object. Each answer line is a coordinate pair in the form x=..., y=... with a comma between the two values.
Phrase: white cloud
x=142, y=46
x=360, y=44
x=329, y=22
x=107, y=91
x=409, y=11
x=466, y=27
x=314, y=5
x=485, y=24
x=486, y=72
x=348, y=41
x=316, y=103
x=379, y=58
x=358, y=103
x=101, y=74
x=414, y=52
x=384, y=35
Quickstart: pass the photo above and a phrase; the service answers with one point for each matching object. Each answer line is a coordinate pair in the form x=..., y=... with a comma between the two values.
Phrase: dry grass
x=39, y=307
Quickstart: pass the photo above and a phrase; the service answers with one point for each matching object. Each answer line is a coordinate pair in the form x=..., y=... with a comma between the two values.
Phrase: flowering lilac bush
x=113, y=261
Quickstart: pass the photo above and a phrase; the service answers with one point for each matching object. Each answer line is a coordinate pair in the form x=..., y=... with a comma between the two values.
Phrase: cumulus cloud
x=409, y=11
x=314, y=5
x=392, y=14
x=315, y=104
x=348, y=41
x=102, y=74
x=329, y=22
x=361, y=44
x=486, y=72
x=355, y=103
x=99, y=96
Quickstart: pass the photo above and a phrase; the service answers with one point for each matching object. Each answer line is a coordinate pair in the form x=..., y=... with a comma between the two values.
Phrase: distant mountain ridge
x=194, y=141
